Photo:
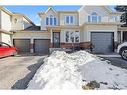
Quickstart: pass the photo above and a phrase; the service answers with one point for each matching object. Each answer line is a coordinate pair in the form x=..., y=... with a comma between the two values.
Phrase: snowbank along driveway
x=79, y=70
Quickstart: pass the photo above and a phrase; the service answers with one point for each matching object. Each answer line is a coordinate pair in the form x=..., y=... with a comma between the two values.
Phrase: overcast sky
x=31, y=11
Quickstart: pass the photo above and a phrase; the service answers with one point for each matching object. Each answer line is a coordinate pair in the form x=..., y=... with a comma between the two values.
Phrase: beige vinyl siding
x=32, y=35
x=101, y=28
x=6, y=38
x=83, y=35
x=5, y=21
x=19, y=24
x=62, y=18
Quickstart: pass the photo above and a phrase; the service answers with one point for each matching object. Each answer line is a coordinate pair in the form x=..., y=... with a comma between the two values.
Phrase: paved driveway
x=15, y=72
x=117, y=61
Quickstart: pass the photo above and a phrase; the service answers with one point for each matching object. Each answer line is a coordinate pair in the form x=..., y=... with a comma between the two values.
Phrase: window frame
x=51, y=20
x=47, y=21
x=69, y=19
x=69, y=38
x=94, y=18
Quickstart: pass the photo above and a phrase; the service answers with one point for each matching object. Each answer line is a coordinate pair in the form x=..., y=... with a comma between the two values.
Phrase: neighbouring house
x=9, y=22
x=98, y=25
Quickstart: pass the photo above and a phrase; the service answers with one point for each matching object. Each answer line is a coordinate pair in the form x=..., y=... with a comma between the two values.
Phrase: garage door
x=22, y=44
x=41, y=46
x=103, y=42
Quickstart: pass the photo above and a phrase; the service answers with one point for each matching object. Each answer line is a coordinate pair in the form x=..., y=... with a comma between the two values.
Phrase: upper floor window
x=69, y=19
x=47, y=21
x=51, y=20
x=113, y=19
x=94, y=17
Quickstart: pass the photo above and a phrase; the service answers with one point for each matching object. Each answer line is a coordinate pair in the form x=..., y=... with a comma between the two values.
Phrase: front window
x=69, y=19
x=47, y=21
x=51, y=20
x=76, y=36
x=54, y=21
x=67, y=36
x=72, y=36
x=94, y=18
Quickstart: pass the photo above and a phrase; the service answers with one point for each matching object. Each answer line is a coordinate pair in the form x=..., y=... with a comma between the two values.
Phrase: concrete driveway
x=16, y=72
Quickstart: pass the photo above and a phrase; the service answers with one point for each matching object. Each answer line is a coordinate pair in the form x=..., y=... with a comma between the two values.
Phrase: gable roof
x=28, y=19
x=6, y=10
x=109, y=10
x=50, y=8
x=11, y=14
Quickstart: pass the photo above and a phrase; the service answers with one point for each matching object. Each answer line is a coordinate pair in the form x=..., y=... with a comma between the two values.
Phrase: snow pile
x=71, y=71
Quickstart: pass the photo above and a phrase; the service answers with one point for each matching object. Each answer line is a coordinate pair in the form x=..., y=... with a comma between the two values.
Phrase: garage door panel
x=42, y=46
x=22, y=44
x=103, y=42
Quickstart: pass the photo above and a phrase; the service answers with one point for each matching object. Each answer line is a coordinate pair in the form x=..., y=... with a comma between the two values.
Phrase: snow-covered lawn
x=76, y=71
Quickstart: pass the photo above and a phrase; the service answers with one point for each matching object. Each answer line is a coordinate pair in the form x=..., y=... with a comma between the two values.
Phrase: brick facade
x=82, y=45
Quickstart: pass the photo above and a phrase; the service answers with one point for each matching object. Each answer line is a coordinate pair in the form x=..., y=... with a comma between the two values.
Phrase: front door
x=56, y=39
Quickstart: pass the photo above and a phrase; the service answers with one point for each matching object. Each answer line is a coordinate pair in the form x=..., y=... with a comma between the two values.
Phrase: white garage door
x=41, y=46
x=102, y=41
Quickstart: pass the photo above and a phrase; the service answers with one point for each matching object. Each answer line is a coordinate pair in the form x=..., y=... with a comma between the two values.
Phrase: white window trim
x=69, y=20
x=91, y=19
x=69, y=36
x=52, y=21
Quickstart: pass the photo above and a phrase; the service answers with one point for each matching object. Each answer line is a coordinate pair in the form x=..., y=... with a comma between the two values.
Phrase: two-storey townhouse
x=11, y=21
x=60, y=25
x=90, y=24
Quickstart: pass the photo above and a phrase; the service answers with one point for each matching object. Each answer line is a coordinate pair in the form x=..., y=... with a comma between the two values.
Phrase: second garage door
x=22, y=44
x=102, y=41
x=41, y=46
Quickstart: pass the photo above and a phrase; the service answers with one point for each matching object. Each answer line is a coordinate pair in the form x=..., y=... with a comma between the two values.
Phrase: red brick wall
x=83, y=45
